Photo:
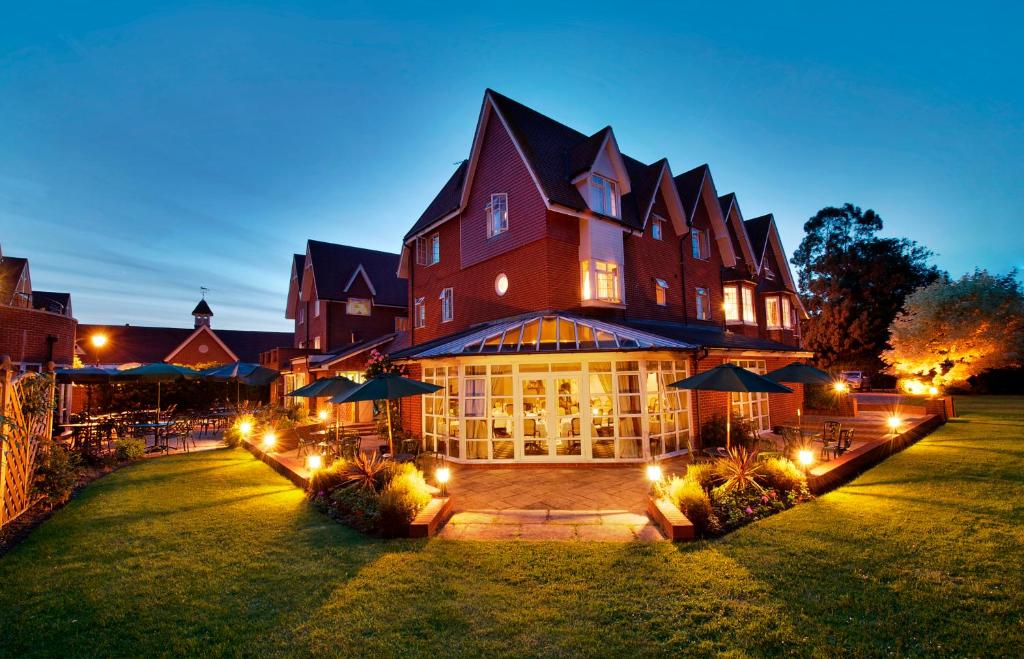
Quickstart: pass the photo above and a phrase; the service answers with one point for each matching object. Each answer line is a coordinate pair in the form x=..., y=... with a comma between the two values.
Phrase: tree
x=853, y=283
x=950, y=331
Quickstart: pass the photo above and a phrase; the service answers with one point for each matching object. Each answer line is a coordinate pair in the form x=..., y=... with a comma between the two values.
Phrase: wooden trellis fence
x=23, y=433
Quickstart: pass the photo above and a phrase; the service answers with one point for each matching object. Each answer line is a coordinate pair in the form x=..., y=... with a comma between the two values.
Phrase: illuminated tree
x=952, y=330
x=853, y=283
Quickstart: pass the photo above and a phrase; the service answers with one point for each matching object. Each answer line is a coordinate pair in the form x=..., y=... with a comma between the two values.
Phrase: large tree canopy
x=853, y=283
x=950, y=331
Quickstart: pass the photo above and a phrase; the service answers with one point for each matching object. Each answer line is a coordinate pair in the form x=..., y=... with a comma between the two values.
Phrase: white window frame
x=703, y=307
x=660, y=292
x=497, y=224
x=607, y=191
x=420, y=313
x=316, y=308
x=607, y=270
x=428, y=250
x=786, y=312
x=447, y=298
x=749, y=307
x=656, y=230
x=734, y=311
x=772, y=312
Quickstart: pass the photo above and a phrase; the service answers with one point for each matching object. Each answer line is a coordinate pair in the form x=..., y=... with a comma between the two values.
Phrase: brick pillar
x=847, y=405
x=941, y=406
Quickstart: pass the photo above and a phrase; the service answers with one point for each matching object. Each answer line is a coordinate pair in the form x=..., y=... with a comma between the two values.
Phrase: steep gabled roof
x=12, y=269
x=446, y=201
x=299, y=266
x=583, y=155
x=52, y=302
x=690, y=185
x=334, y=267
x=757, y=229
x=730, y=204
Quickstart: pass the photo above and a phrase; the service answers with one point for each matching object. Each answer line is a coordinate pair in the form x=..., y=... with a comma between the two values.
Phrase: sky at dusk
x=148, y=150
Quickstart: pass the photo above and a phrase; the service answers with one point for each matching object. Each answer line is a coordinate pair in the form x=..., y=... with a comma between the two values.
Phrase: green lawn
x=216, y=554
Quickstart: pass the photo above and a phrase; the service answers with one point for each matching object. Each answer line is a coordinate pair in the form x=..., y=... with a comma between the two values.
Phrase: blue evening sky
x=148, y=150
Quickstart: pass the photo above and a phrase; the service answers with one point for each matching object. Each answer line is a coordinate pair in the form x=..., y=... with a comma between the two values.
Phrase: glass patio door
x=551, y=424
x=536, y=415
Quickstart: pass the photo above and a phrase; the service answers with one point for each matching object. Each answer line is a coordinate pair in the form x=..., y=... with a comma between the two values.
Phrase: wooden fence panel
x=21, y=439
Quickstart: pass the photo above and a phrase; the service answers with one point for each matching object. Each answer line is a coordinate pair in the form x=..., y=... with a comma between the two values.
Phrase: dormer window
x=604, y=196
x=497, y=215
x=656, y=229
x=769, y=274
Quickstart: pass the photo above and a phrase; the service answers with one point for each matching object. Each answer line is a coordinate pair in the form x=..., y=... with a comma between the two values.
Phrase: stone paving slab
x=603, y=525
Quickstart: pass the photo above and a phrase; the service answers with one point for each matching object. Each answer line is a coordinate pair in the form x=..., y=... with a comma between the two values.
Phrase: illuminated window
x=732, y=304
x=316, y=342
x=419, y=312
x=787, y=313
x=661, y=292
x=357, y=306
x=703, y=304
x=656, y=229
x=771, y=312
x=401, y=324
x=447, y=305
x=607, y=275
x=603, y=196
x=497, y=215
x=586, y=293
x=749, y=313
x=699, y=244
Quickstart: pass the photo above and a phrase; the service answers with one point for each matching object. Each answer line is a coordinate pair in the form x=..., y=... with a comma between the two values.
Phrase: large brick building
x=36, y=327
x=556, y=286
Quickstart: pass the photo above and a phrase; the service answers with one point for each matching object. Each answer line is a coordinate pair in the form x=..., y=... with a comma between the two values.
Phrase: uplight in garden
x=269, y=440
x=314, y=462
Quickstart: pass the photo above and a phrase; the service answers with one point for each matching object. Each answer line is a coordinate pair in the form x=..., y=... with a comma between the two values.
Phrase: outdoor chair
x=180, y=434
x=844, y=442
x=792, y=441
x=829, y=436
x=408, y=450
x=307, y=439
x=349, y=447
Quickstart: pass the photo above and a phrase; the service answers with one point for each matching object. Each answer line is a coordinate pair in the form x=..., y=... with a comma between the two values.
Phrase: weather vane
x=203, y=291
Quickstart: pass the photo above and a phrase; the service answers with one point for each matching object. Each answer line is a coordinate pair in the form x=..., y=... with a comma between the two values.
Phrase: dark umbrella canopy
x=244, y=372
x=325, y=388
x=800, y=373
x=386, y=387
x=85, y=375
x=729, y=377
x=158, y=372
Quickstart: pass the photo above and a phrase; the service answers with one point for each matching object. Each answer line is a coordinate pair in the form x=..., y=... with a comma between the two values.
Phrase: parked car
x=858, y=380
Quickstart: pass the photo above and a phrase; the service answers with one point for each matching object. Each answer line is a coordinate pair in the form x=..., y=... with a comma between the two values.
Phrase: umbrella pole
x=391, y=439
x=158, y=401
x=728, y=425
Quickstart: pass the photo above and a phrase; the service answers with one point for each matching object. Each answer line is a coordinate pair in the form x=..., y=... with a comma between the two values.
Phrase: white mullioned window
x=732, y=304
x=661, y=292
x=607, y=277
x=787, y=312
x=771, y=312
x=749, y=311
x=497, y=215
x=703, y=304
x=419, y=312
x=428, y=250
x=604, y=195
x=358, y=306
x=447, y=298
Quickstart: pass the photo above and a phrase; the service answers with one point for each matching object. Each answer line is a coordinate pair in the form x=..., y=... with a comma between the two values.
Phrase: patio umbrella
x=387, y=387
x=326, y=388
x=733, y=379
x=241, y=373
x=158, y=372
x=89, y=375
x=800, y=373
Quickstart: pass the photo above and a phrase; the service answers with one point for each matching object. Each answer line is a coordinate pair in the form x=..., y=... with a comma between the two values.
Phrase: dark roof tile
x=757, y=229
x=708, y=336
x=446, y=201
x=689, y=186
x=51, y=301
x=334, y=265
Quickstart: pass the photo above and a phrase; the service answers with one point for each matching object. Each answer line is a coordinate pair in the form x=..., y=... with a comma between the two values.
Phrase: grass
x=214, y=553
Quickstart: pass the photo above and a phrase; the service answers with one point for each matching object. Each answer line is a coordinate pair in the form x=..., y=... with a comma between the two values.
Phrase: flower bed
x=719, y=497
x=371, y=495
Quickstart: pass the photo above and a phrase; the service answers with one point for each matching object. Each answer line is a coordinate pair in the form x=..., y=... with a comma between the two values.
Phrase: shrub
x=713, y=432
x=705, y=474
x=821, y=397
x=328, y=479
x=782, y=475
x=57, y=474
x=129, y=448
x=692, y=500
x=403, y=497
x=740, y=471
x=233, y=436
x=735, y=508
x=366, y=471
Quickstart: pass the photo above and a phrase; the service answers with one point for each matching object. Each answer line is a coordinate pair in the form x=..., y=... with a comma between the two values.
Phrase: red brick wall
x=703, y=273
x=500, y=169
x=191, y=356
x=23, y=335
x=647, y=259
x=411, y=409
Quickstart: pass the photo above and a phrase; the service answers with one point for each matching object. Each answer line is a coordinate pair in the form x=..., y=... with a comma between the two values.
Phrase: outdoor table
x=156, y=428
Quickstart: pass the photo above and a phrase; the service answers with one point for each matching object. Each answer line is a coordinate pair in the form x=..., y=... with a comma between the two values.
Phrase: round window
x=501, y=284
x=203, y=348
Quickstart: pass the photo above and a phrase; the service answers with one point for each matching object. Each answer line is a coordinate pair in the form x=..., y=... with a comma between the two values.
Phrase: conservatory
x=555, y=388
